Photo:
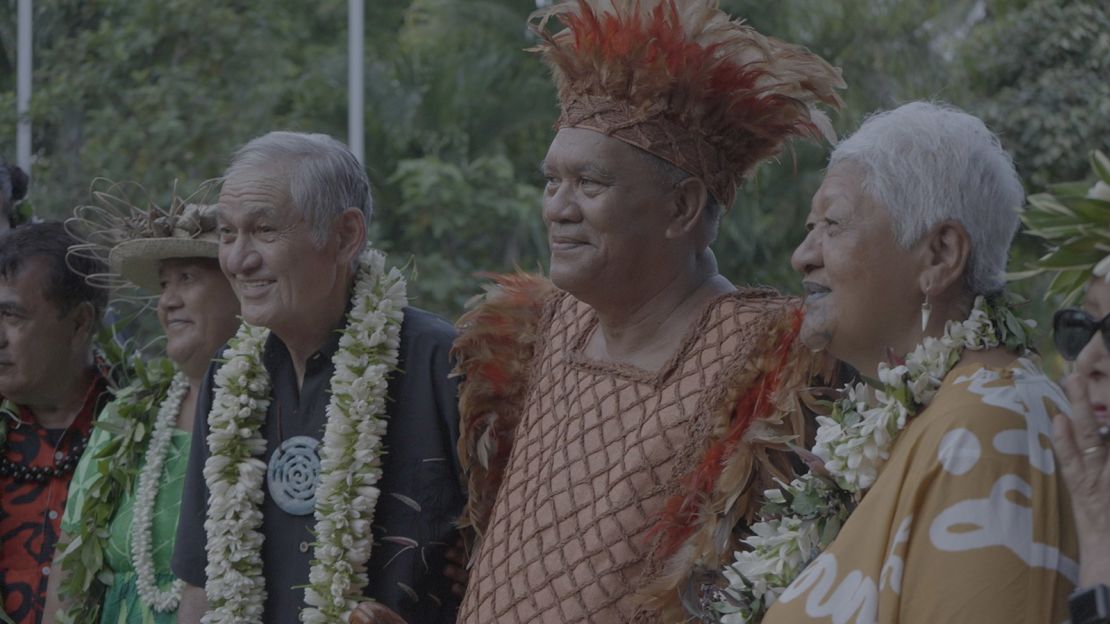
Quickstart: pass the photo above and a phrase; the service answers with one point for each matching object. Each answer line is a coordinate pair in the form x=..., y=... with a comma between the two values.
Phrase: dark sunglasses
x=1072, y=329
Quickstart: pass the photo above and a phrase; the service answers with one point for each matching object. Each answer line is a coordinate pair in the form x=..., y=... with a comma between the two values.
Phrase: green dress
x=121, y=600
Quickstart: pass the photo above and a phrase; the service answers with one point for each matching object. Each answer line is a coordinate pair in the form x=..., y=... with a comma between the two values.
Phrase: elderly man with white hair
x=329, y=474
x=962, y=516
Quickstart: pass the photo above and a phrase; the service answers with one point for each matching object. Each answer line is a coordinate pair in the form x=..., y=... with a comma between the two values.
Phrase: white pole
x=355, y=29
x=23, y=88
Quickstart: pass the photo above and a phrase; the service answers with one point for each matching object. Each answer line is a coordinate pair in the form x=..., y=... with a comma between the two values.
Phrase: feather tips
x=493, y=353
x=698, y=529
x=693, y=69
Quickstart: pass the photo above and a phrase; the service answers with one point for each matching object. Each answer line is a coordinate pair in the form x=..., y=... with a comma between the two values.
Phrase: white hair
x=927, y=163
x=324, y=177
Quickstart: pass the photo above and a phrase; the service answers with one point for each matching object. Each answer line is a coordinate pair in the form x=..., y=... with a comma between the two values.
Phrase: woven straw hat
x=193, y=236
x=134, y=237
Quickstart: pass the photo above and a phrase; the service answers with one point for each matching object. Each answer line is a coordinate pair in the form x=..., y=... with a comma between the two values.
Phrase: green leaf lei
x=129, y=421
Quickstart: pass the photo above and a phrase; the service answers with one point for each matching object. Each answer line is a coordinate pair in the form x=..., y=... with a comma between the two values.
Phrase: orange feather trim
x=493, y=354
x=676, y=522
x=700, y=528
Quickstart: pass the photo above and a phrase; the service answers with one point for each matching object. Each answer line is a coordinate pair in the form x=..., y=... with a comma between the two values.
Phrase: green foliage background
x=458, y=116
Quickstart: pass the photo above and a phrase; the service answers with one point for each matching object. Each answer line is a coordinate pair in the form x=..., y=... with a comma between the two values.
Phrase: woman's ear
x=690, y=196
x=350, y=230
x=947, y=251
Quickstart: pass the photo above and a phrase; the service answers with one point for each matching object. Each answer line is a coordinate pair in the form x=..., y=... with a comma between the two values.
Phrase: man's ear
x=690, y=197
x=85, y=324
x=947, y=252
x=350, y=231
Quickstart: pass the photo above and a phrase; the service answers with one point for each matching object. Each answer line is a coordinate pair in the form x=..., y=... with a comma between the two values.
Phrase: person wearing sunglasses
x=1076, y=223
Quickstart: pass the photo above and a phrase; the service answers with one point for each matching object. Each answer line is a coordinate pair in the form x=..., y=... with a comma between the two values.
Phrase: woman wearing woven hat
x=129, y=481
x=1075, y=219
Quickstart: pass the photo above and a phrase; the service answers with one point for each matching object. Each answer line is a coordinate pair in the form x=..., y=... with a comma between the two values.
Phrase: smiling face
x=606, y=212
x=37, y=341
x=283, y=280
x=197, y=310
x=1093, y=364
x=862, y=295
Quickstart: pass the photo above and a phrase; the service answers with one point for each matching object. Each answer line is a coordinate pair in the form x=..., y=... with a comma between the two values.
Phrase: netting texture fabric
x=599, y=449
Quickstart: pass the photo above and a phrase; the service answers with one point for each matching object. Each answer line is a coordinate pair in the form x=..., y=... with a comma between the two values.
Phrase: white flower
x=1100, y=191
x=161, y=601
x=892, y=377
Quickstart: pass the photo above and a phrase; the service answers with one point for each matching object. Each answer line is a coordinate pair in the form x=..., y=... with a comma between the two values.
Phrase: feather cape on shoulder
x=698, y=529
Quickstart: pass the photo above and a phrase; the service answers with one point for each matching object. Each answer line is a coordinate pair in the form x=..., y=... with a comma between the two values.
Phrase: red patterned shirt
x=31, y=512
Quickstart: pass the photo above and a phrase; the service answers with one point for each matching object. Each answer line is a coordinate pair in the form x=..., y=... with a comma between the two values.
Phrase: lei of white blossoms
x=350, y=460
x=800, y=519
x=142, y=548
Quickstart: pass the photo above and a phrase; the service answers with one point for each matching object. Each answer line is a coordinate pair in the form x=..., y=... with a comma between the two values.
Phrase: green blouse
x=121, y=601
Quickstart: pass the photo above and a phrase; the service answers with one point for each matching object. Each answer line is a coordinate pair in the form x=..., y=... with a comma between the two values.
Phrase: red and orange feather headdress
x=682, y=80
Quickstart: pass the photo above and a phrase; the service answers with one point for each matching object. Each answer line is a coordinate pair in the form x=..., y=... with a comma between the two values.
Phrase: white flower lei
x=142, y=548
x=800, y=519
x=350, y=460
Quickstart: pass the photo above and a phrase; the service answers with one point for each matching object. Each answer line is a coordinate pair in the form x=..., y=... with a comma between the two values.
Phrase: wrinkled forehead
x=843, y=186
x=577, y=148
x=27, y=283
x=253, y=194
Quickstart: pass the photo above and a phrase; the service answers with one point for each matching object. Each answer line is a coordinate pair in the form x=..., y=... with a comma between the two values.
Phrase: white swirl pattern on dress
x=1027, y=397
x=856, y=595
x=891, y=574
x=959, y=451
x=999, y=522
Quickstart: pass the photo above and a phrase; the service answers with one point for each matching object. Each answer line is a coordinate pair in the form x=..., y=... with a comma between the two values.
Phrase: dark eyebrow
x=9, y=306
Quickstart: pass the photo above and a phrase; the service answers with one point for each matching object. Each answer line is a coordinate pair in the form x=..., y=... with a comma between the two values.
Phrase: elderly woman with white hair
x=959, y=513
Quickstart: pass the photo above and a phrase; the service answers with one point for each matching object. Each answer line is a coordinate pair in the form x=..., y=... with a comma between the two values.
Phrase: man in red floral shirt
x=51, y=391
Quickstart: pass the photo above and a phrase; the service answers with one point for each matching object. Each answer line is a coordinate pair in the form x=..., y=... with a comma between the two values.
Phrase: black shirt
x=421, y=493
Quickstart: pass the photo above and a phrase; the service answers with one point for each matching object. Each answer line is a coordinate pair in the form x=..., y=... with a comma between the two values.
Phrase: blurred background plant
x=458, y=116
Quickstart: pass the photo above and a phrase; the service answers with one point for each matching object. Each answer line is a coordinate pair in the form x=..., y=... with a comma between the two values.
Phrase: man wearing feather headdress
x=620, y=421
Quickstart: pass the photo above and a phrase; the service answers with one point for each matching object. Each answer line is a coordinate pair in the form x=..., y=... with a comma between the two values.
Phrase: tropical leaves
x=1076, y=221
x=143, y=92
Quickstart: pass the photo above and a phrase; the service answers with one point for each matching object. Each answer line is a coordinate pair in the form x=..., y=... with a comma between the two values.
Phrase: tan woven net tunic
x=597, y=452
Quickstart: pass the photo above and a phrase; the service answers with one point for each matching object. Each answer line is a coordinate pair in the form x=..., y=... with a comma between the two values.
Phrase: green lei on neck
x=138, y=388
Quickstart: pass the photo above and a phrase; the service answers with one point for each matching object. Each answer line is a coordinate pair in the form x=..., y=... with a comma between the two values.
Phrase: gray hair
x=670, y=174
x=929, y=162
x=324, y=177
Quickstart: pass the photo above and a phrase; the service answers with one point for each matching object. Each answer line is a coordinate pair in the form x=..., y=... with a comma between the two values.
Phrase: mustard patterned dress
x=969, y=520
